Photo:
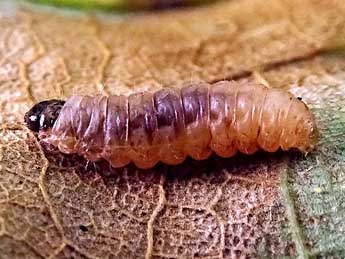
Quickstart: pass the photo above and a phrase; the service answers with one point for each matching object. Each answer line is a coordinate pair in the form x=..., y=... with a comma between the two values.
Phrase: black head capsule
x=43, y=115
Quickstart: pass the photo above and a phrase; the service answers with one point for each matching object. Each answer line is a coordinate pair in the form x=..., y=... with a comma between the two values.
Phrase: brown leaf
x=57, y=206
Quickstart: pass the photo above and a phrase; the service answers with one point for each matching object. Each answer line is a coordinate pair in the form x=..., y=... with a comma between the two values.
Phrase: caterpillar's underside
x=170, y=124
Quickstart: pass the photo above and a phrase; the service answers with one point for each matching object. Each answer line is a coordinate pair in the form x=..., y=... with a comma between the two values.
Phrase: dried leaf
x=54, y=205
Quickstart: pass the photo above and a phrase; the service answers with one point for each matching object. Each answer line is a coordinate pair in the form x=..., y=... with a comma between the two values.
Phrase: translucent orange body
x=170, y=124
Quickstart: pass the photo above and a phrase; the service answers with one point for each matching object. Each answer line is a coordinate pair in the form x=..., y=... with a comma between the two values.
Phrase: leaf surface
x=57, y=206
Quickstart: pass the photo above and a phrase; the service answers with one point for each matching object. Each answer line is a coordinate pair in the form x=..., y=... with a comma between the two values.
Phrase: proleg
x=171, y=124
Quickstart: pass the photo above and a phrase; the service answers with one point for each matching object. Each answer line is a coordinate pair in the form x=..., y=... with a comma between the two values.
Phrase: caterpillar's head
x=43, y=115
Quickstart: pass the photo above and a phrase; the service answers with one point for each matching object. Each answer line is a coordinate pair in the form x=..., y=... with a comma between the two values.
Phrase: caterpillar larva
x=170, y=124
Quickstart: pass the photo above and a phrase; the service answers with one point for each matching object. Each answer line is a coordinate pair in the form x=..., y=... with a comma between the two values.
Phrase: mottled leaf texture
x=263, y=206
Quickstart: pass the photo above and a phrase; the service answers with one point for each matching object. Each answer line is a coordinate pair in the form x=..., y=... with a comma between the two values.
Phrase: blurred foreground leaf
x=120, y=5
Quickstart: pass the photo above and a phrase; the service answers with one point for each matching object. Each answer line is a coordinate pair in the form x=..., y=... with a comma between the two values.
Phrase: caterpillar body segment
x=170, y=124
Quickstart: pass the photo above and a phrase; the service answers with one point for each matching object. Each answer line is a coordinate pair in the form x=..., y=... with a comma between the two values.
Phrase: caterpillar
x=170, y=124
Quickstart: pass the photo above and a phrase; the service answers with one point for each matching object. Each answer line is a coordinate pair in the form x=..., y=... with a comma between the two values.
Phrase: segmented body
x=170, y=124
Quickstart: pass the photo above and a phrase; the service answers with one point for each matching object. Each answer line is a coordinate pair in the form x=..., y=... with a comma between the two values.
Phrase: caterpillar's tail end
x=43, y=115
x=313, y=137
